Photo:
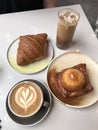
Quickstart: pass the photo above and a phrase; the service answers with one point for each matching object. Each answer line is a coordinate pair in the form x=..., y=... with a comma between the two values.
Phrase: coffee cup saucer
x=40, y=115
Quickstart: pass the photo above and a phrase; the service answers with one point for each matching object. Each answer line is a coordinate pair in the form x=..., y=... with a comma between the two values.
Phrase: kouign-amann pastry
x=74, y=81
x=70, y=82
x=31, y=48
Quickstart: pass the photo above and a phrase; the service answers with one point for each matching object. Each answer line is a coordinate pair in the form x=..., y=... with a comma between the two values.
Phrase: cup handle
x=46, y=104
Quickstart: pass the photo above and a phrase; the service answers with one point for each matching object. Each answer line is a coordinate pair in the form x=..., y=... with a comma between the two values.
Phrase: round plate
x=71, y=59
x=42, y=113
x=31, y=68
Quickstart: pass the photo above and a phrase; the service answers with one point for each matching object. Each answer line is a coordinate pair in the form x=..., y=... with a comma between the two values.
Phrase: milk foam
x=25, y=97
x=69, y=16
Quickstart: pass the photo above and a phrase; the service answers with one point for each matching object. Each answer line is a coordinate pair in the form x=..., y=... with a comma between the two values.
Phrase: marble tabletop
x=31, y=22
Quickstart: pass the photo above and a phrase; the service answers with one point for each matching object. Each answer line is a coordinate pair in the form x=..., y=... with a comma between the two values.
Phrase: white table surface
x=31, y=22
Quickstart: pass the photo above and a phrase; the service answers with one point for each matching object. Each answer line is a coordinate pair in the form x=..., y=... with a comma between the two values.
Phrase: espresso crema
x=26, y=98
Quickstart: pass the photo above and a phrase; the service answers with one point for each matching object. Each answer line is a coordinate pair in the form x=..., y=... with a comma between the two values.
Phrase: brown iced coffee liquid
x=65, y=29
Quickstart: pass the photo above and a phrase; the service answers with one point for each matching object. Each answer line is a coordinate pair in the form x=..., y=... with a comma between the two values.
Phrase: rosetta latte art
x=25, y=97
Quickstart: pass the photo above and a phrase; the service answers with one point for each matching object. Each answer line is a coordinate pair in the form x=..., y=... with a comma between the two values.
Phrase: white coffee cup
x=25, y=100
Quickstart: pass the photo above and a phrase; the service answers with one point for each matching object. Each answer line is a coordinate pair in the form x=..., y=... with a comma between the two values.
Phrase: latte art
x=26, y=98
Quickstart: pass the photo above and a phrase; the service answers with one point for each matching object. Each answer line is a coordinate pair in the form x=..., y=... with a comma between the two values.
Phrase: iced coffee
x=68, y=19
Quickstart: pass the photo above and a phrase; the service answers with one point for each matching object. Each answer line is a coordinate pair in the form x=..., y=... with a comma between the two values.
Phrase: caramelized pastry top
x=72, y=79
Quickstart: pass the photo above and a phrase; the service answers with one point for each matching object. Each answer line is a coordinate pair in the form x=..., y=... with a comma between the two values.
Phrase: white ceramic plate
x=71, y=59
x=31, y=68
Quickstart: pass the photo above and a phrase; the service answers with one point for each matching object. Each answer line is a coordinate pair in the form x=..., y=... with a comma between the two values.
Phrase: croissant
x=31, y=48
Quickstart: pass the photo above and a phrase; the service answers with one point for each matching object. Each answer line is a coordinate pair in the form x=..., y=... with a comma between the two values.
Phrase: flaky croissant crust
x=31, y=48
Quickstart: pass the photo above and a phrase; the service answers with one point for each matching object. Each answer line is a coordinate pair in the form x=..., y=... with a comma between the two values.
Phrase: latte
x=25, y=98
